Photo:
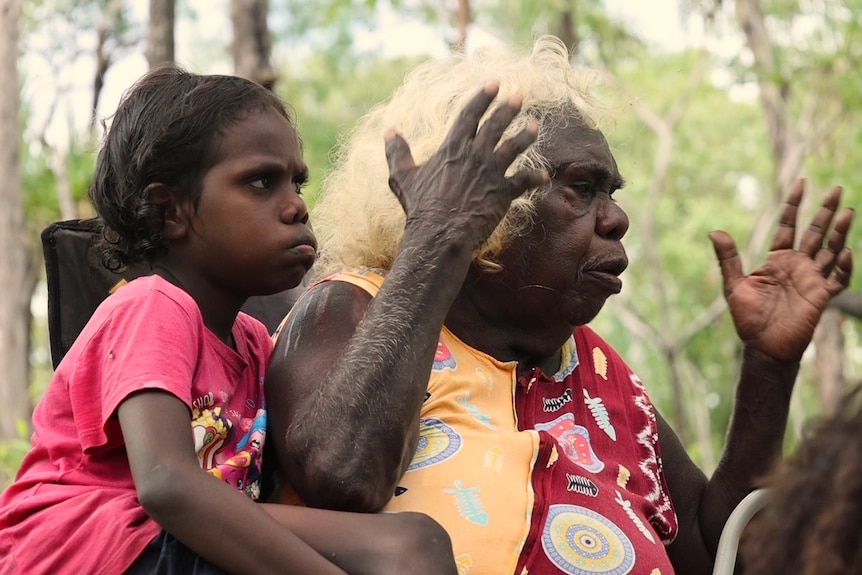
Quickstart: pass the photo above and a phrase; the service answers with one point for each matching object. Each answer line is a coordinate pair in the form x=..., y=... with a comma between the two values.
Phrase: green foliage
x=318, y=24
x=48, y=25
x=38, y=182
x=324, y=113
x=599, y=37
x=12, y=453
x=720, y=174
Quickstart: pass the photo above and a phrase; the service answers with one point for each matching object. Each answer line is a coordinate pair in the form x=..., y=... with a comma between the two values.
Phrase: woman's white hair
x=359, y=221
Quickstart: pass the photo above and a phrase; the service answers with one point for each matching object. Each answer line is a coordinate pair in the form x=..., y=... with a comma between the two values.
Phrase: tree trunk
x=787, y=146
x=788, y=149
x=829, y=361
x=251, y=42
x=160, y=32
x=462, y=23
x=104, y=56
x=669, y=339
x=569, y=27
x=15, y=286
x=849, y=303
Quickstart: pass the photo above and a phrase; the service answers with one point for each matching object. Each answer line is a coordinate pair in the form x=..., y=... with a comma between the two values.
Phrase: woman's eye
x=299, y=182
x=582, y=188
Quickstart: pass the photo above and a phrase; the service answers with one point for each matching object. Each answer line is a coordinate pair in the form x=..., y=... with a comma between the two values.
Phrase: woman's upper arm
x=686, y=483
x=311, y=341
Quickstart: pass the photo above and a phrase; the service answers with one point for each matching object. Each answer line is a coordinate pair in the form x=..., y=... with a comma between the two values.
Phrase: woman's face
x=570, y=261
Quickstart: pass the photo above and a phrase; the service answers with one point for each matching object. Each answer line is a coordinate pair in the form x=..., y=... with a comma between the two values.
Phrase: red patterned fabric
x=544, y=474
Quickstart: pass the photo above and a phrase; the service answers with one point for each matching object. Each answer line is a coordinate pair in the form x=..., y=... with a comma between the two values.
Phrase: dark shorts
x=166, y=556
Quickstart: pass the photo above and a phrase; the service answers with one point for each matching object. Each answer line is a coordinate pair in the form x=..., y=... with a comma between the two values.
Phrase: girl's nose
x=294, y=210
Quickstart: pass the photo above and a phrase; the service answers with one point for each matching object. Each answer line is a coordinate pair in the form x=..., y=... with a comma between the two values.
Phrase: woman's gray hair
x=358, y=220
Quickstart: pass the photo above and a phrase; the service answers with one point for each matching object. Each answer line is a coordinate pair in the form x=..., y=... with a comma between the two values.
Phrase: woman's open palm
x=777, y=306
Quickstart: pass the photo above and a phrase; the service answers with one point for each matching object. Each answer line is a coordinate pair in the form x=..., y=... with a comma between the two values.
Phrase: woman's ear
x=175, y=210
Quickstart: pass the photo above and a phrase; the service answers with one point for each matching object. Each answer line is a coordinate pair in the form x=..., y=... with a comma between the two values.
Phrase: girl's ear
x=174, y=209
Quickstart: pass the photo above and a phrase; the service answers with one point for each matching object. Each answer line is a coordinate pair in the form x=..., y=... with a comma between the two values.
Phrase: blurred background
x=718, y=106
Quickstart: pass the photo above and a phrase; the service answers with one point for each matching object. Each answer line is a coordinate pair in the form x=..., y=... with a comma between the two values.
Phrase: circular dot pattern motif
x=582, y=542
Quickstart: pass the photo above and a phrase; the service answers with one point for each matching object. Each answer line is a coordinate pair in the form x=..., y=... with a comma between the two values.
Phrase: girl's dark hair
x=812, y=521
x=166, y=130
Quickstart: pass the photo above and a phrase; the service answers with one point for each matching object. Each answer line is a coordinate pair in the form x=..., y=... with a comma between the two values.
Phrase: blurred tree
x=160, y=32
x=462, y=24
x=16, y=264
x=48, y=27
x=664, y=332
x=670, y=321
x=694, y=146
x=583, y=25
x=251, y=42
x=799, y=117
x=114, y=37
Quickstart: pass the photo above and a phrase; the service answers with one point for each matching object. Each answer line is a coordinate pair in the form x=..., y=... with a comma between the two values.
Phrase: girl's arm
x=219, y=523
x=401, y=543
x=231, y=531
x=228, y=529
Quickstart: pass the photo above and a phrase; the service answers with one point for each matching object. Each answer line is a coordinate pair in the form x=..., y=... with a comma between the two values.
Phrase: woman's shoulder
x=368, y=279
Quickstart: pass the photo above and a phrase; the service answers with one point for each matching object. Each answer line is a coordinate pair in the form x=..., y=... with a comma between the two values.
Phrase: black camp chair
x=78, y=282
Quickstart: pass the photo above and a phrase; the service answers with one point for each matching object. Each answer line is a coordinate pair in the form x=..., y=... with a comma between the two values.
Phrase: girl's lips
x=304, y=249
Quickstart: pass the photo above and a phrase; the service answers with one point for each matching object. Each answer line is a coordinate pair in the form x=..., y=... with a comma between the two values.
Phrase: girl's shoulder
x=254, y=332
x=153, y=297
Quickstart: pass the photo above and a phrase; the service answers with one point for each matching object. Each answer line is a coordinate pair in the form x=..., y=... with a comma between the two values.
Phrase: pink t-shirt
x=73, y=507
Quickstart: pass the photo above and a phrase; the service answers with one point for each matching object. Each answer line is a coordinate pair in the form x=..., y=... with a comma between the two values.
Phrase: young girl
x=147, y=445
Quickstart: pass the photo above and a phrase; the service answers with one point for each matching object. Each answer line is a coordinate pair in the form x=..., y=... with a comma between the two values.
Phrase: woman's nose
x=612, y=221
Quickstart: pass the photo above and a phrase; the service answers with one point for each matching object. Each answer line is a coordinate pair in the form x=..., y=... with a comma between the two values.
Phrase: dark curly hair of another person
x=166, y=130
x=812, y=521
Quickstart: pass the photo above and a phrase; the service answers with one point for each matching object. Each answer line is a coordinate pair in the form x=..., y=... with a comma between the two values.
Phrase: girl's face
x=250, y=234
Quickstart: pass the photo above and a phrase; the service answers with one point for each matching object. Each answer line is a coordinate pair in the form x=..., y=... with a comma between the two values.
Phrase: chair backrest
x=78, y=282
x=728, y=543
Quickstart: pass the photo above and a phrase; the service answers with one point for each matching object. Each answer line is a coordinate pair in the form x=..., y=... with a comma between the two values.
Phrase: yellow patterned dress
x=542, y=474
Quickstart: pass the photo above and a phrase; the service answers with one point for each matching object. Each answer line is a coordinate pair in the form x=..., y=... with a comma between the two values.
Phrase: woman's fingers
x=400, y=160
x=840, y=279
x=509, y=149
x=812, y=241
x=785, y=234
x=465, y=126
x=812, y=238
x=526, y=180
x=728, y=257
x=496, y=124
x=827, y=256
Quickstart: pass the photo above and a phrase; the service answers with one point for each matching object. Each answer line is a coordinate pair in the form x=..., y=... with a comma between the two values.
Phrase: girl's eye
x=299, y=182
x=262, y=183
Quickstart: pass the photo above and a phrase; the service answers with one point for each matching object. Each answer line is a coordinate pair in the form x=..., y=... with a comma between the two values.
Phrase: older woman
x=444, y=363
